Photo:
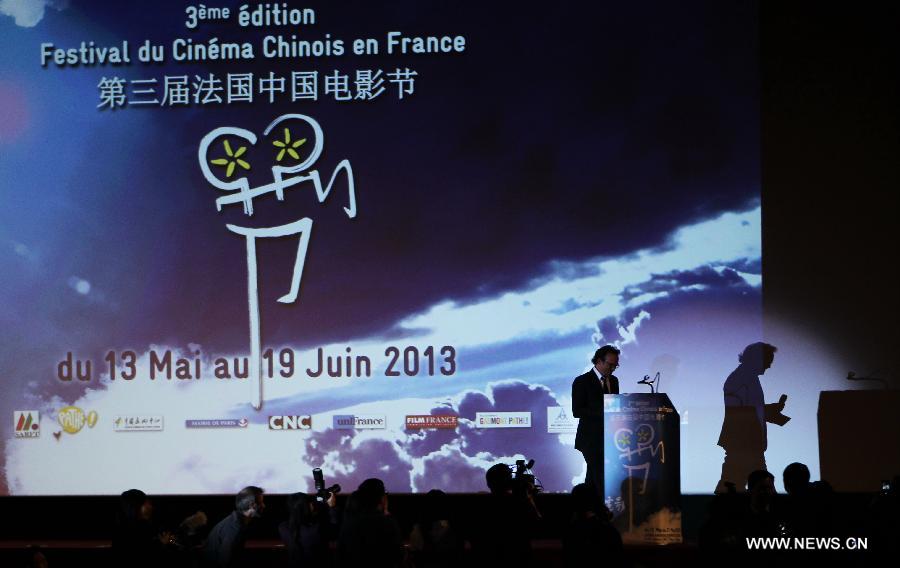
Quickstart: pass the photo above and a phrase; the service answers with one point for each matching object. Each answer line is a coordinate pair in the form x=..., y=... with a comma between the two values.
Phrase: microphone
x=652, y=383
x=851, y=376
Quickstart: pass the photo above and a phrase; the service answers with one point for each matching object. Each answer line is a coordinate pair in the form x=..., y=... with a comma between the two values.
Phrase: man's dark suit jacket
x=587, y=406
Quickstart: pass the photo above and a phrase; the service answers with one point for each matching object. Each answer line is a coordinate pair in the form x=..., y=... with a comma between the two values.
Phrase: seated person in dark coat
x=136, y=541
x=225, y=544
x=590, y=534
x=504, y=528
x=369, y=536
x=311, y=527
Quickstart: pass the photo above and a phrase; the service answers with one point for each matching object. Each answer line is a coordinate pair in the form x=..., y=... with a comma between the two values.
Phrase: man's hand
x=780, y=404
x=773, y=412
x=166, y=537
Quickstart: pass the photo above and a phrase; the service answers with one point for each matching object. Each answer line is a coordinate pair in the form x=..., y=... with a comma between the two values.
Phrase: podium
x=642, y=469
x=859, y=433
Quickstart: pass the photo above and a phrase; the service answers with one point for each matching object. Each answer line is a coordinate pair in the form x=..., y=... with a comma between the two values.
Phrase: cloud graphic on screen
x=451, y=468
x=619, y=331
x=28, y=13
x=556, y=461
x=425, y=442
x=530, y=343
x=700, y=278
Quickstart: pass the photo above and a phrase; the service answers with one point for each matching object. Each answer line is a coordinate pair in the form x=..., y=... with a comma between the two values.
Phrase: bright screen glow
x=307, y=251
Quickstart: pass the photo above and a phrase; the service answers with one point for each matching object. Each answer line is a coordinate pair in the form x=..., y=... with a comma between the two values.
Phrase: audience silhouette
x=500, y=531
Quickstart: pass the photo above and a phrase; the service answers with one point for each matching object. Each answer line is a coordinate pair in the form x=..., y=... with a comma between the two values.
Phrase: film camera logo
x=72, y=419
x=27, y=423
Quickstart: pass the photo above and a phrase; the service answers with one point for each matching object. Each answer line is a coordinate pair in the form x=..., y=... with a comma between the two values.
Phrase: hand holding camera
x=324, y=494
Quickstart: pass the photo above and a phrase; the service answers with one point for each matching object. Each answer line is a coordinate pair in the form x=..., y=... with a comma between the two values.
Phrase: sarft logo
x=27, y=423
x=290, y=422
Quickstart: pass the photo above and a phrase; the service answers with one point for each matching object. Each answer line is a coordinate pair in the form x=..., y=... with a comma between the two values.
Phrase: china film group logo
x=138, y=423
x=72, y=419
x=27, y=423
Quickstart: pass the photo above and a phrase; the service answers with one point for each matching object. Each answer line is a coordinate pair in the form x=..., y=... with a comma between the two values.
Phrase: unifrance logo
x=560, y=422
x=72, y=419
x=359, y=421
x=27, y=423
x=285, y=422
x=503, y=420
x=133, y=423
x=419, y=421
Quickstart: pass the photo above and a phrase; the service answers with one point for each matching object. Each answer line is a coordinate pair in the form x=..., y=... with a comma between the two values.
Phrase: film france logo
x=443, y=421
x=72, y=419
x=27, y=423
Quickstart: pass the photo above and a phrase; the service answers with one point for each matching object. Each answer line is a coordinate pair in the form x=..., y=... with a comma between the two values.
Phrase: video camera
x=524, y=479
x=322, y=492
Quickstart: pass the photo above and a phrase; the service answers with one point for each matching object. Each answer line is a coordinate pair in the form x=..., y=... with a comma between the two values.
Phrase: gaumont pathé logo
x=134, y=423
x=418, y=421
x=72, y=419
x=359, y=421
x=285, y=422
x=503, y=420
x=27, y=423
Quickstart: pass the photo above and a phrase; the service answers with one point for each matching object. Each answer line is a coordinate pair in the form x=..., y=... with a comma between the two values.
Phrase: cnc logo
x=72, y=419
x=27, y=423
x=303, y=422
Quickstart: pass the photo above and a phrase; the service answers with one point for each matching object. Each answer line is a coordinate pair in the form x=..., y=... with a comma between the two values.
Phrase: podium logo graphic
x=303, y=422
x=72, y=419
x=559, y=421
x=27, y=423
x=359, y=421
x=419, y=421
x=503, y=420
x=132, y=423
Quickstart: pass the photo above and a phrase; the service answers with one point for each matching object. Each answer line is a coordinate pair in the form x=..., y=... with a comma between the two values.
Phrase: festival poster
x=242, y=240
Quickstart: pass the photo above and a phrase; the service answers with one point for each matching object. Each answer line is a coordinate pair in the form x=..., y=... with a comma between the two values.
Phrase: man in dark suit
x=225, y=544
x=587, y=405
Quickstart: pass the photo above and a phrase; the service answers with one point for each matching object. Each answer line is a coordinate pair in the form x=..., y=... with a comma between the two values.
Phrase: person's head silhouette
x=758, y=357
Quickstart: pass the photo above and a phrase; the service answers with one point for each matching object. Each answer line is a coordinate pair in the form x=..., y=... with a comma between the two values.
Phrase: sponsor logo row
x=72, y=420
